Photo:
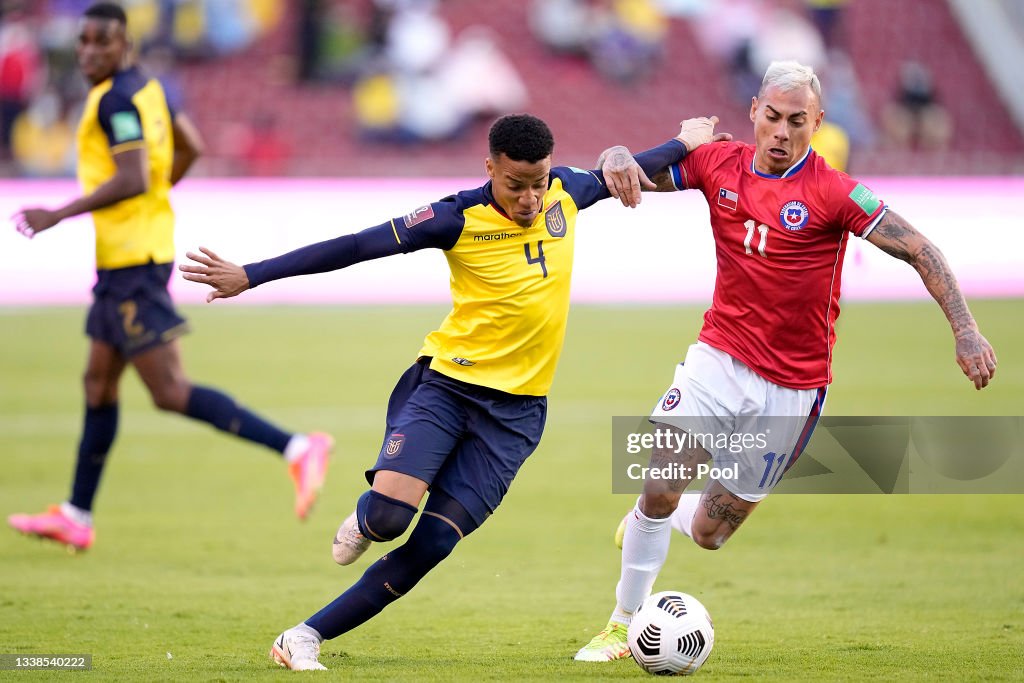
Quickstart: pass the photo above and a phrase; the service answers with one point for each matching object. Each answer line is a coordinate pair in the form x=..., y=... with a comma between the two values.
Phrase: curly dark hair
x=521, y=137
x=106, y=10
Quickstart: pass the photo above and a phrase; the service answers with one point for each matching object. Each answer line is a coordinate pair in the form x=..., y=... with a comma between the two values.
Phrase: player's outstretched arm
x=626, y=177
x=226, y=278
x=130, y=178
x=896, y=237
x=382, y=240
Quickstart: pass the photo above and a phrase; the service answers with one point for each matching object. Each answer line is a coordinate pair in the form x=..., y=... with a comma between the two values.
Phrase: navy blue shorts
x=132, y=309
x=467, y=440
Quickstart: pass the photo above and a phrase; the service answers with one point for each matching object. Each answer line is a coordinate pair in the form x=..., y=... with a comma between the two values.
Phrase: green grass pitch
x=199, y=562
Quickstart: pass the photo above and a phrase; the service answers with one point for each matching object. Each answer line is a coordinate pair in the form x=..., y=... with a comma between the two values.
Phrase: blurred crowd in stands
x=412, y=78
x=41, y=91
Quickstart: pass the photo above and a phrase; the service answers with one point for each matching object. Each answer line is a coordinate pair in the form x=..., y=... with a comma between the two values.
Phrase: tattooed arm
x=896, y=237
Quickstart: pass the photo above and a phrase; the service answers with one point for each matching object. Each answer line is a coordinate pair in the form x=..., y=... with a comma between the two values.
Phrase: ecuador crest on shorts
x=394, y=445
x=554, y=220
x=794, y=215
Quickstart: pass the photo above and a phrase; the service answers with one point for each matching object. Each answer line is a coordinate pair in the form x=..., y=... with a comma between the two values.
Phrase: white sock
x=621, y=616
x=308, y=629
x=76, y=514
x=682, y=518
x=297, y=445
x=644, y=550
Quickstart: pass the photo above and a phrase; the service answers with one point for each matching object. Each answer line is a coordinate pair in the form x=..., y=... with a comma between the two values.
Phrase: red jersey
x=779, y=242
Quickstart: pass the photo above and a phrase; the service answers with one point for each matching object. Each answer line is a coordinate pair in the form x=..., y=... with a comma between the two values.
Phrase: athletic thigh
x=425, y=423
x=502, y=432
x=753, y=429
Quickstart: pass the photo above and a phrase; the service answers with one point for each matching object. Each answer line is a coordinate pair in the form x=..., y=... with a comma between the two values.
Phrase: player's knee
x=442, y=525
x=709, y=540
x=98, y=391
x=172, y=397
x=382, y=518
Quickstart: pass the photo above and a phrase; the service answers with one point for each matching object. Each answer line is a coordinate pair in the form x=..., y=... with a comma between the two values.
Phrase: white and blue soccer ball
x=671, y=634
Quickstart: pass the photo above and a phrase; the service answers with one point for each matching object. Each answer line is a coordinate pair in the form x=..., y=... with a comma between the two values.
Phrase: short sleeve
x=854, y=205
x=585, y=187
x=689, y=173
x=120, y=121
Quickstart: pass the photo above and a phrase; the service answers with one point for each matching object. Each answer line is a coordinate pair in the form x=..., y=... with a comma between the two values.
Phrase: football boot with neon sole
x=607, y=646
x=620, y=532
x=56, y=526
x=308, y=472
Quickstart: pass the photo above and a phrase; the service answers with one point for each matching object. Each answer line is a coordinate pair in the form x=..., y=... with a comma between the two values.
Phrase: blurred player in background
x=464, y=418
x=131, y=150
x=780, y=217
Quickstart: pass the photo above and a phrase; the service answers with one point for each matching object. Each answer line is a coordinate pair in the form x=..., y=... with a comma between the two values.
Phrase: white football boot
x=349, y=542
x=297, y=649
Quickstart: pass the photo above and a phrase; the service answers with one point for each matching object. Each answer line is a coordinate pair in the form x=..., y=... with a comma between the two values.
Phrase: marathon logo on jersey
x=727, y=198
x=394, y=445
x=463, y=361
x=671, y=400
x=794, y=215
x=554, y=220
x=424, y=213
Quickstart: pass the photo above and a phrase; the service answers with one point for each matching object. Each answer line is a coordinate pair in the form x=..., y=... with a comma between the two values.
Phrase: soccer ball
x=671, y=634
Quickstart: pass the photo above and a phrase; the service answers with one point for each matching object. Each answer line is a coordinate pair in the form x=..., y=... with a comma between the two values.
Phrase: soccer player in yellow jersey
x=463, y=419
x=131, y=150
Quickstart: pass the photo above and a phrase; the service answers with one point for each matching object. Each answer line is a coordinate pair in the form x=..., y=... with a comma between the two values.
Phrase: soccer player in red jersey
x=780, y=218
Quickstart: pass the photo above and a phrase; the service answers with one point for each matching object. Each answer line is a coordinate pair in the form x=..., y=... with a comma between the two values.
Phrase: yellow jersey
x=125, y=112
x=509, y=284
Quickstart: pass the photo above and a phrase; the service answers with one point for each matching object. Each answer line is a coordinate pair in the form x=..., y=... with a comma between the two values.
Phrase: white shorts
x=754, y=429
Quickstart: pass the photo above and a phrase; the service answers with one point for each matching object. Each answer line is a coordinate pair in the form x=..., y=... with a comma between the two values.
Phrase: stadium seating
x=587, y=113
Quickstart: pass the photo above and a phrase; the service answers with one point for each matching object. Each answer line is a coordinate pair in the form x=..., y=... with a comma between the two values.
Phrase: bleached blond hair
x=788, y=76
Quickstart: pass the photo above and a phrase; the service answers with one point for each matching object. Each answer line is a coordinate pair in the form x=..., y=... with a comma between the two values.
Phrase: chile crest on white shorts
x=671, y=399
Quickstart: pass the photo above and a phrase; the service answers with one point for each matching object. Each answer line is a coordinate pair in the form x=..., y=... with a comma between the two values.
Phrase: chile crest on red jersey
x=794, y=215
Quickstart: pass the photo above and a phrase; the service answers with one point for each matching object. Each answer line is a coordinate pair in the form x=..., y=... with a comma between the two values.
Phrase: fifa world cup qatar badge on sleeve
x=554, y=220
x=794, y=215
x=419, y=215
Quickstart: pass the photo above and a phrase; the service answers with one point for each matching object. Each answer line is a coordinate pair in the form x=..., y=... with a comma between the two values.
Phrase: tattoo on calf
x=717, y=509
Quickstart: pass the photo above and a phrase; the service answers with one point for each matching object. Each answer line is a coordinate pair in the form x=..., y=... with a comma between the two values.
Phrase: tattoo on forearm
x=897, y=234
x=717, y=509
x=902, y=241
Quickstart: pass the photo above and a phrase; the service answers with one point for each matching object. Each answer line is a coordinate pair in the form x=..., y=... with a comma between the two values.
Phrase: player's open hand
x=226, y=278
x=699, y=131
x=29, y=222
x=976, y=358
x=623, y=176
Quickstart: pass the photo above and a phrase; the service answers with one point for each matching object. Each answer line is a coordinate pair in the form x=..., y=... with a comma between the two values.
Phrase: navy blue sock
x=441, y=526
x=98, y=434
x=221, y=411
